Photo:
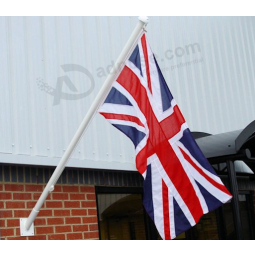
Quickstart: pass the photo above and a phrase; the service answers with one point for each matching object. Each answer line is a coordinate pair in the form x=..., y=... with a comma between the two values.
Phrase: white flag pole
x=26, y=224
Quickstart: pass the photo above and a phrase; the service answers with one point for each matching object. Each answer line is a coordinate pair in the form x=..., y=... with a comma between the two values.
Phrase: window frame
x=125, y=190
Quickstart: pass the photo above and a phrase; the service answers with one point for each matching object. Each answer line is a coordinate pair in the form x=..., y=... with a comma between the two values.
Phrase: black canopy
x=235, y=145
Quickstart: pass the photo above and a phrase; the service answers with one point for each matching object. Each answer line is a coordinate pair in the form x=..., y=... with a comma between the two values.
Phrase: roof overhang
x=235, y=145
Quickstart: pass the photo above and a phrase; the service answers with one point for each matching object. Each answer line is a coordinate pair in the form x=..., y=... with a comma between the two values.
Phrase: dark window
x=229, y=221
x=121, y=214
x=205, y=229
x=247, y=216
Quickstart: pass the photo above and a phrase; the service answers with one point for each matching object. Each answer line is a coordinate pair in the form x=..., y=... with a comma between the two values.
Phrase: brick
x=14, y=187
x=77, y=197
x=22, y=196
x=37, y=237
x=32, y=187
x=17, y=232
x=72, y=204
x=15, y=205
x=60, y=196
x=40, y=221
x=36, y=196
x=86, y=220
x=54, y=204
x=1, y=205
x=73, y=220
x=62, y=212
x=55, y=221
x=58, y=188
x=5, y=196
x=1, y=187
x=91, y=197
x=74, y=236
x=57, y=237
x=13, y=223
x=5, y=213
x=90, y=235
x=45, y=212
x=2, y=224
x=43, y=230
x=79, y=212
x=92, y=212
x=7, y=232
x=80, y=228
x=21, y=213
x=17, y=238
x=87, y=204
x=93, y=227
x=70, y=189
x=87, y=189
x=31, y=205
x=63, y=229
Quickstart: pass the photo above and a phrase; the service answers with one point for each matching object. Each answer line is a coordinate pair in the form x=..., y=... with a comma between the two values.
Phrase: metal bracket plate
x=23, y=230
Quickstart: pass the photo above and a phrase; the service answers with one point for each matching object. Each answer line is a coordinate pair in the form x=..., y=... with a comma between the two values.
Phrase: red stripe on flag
x=146, y=59
x=166, y=211
x=209, y=179
x=160, y=144
x=122, y=117
x=141, y=157
x=172, y=124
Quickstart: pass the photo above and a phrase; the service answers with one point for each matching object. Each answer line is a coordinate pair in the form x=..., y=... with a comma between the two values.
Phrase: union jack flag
x=179, y=183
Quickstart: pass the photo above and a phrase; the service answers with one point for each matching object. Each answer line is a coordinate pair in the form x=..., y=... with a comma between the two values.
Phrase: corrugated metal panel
x=208, y=63
x=5, y=105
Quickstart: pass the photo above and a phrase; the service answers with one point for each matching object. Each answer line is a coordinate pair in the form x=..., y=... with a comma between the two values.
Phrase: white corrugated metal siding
x=208, y=63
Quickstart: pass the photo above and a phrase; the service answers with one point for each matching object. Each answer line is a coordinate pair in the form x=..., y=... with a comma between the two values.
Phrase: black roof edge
x=234, y=145
x=245, y=135
x=197, y=135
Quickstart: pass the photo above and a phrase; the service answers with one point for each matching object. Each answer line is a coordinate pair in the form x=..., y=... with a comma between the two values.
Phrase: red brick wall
x=68, y=213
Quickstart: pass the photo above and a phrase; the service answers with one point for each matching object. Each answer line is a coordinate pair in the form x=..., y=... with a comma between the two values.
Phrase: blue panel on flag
x=147, y=194
x=115, y=97
x=210, y=200
x=180, y=221
x=135, y=135
x=188, y=141
x=135, y=59
x=165, y=92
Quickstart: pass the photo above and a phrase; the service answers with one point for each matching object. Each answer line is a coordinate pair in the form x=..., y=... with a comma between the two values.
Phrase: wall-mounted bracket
x=23, y=230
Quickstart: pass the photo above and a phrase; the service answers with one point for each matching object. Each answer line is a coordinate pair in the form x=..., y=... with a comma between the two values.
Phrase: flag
x=179, y=183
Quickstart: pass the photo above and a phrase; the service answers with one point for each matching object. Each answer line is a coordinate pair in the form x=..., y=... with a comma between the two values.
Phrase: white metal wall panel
x=5, y=106
x=208, y=63
x=18, y=85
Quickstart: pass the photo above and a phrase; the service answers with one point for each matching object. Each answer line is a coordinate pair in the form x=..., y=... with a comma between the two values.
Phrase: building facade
x=103, y=204
x=51, y=69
